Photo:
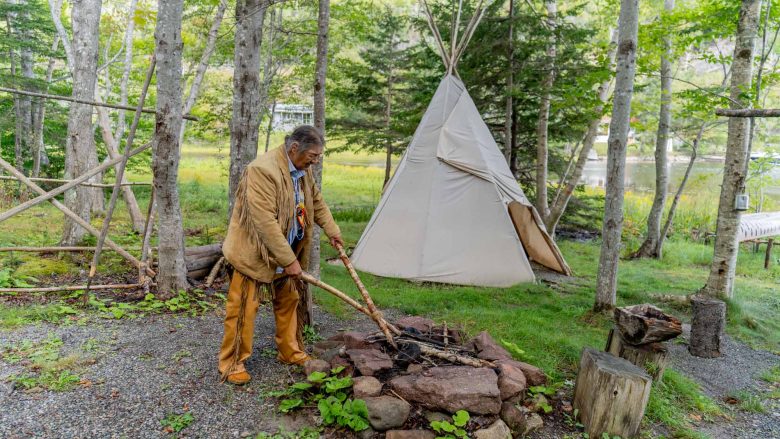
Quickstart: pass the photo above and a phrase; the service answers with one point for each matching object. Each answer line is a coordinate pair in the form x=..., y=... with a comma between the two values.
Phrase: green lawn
x=550, y=323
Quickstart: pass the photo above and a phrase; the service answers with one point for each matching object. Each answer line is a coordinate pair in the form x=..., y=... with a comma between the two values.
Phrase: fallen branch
x=56, y=249
x=748, y=112
x=452, y=357
x=70, y=288
x=214, y=270
x=87, y=184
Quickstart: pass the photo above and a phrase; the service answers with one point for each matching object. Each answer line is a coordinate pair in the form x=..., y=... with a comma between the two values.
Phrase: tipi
x=453, y=212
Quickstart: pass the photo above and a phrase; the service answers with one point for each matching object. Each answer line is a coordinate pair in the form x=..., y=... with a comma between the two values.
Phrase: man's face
x=302, y=160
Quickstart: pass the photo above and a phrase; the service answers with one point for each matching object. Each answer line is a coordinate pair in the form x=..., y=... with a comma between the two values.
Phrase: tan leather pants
x=244, y=298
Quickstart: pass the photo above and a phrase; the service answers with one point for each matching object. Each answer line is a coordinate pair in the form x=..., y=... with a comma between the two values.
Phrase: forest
x=642, y=137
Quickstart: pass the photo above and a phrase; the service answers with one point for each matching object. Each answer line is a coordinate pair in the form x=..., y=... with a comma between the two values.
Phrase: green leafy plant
x=9, y=280
x=330, y=394
x=304, y=433
x=515, y=350
x=176, y=423
x=310, y=335
x=454, y=429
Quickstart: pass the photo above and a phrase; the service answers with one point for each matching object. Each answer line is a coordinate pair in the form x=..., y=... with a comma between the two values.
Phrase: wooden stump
x=709, y=319
x=610, y=394
x=642, y=324
x=652, y=357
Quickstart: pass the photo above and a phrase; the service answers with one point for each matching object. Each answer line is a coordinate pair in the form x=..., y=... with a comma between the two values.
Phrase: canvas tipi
x=453, y=212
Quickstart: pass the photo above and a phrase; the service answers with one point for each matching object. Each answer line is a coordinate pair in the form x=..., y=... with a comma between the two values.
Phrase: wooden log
x=198, y=274
x=202, y=262
x=610, y=394
x=57, y=249
x=748, y=112
x=642, y=324
x=652, y=357
x=203, y=250
x=214, y=271
x=709, y=319
x=87, y=184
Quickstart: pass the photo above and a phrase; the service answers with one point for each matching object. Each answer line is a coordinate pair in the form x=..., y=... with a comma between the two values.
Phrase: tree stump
x=610, y=394
x=709, y=319
x=642, y=324
x=652, y=357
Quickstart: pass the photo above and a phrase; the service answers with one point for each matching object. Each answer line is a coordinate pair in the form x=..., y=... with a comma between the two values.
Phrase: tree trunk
x=80, y=153
x=542, y=147
x=513, y=147
x=652, y=357
x=510, y=84
x=320, y=70
x=25, y=102
x=200, y=72
x=562, y=199
x=39, y=149
x=709, y=319
x=172, y=272
x=606, y=284
x=610, y=394
x=724, y=262
x=651, y=247
x=245, y=123
x=678, y=194
x=128, y=66
x=389, y=145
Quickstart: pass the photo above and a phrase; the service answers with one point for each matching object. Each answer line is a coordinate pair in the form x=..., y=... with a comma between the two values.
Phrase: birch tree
x=320, y=70
x=606, y=283
x=724, y=262
x=80, y=153
x=200, y=71
x=510, y=85
x=172, y=272
x=245, y=122
x=652, y=245
x=542, y=147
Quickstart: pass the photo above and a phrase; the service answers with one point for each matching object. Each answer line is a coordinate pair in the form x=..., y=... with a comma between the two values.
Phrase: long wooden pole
x=52, y=249
x=748, y=112
x=354, y=303
x=45, y=196
x=69, y=213
x=120, y=173
x=88, y=184
x=148, y=227
x=375, y=314
x=83, y=101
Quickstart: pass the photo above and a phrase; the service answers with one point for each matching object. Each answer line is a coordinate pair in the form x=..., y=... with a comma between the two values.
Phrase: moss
x=41, y=267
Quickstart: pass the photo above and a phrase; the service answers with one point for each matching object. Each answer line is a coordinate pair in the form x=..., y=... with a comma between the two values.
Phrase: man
x=268, y=241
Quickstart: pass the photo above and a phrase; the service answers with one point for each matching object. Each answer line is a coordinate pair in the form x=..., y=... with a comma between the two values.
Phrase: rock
x=246, y=433
x=354, y=340
x=330, y=353
x=514, y=417
x=532, y=423
x=366, y=386
x=409, y=434
x=316, y=366
x=415, y=368
x=497, y=430
x=368, y=433
x=386, y=412
x=339, y=361
x=419, y=323
x=511, y=381
x=452, y=388
x=323, y=346
x=487, y=348
x=533, y=375
x=436, y=416
x=370, y=361
x=538, y=402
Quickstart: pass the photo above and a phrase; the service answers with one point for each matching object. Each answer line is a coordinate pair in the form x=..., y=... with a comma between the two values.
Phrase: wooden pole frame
x=69, y=213
x=84, y=101
x=87, y=184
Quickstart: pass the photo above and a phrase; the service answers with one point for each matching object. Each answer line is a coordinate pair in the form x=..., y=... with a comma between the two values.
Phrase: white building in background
x=288, y=116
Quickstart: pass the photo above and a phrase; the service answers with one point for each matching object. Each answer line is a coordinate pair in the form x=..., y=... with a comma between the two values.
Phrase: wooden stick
x=87, y=184
x=333, y=290
x=69, y=213
x=120, y=173
x=452, y=357
x=70, y=288
x=84, y=101
x=748, y=112
x=55, y=249
x=366, y=297
x=472, y=26
x=148, y=227
x=214, y=270
x=436, y=35
x=45, y=196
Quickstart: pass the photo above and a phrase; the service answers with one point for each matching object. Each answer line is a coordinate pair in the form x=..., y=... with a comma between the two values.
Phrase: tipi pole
x=437, y=36
x=472, y=26
x=454, y=39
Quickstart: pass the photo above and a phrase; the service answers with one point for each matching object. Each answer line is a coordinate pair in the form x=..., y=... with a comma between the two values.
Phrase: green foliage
x=674, y=398
x=772, y=375
x=10, y=280
x=749, y=402
x=304, y=433
x=174, y=423
x=329, y=392
x=454, y=429
x=44, y=365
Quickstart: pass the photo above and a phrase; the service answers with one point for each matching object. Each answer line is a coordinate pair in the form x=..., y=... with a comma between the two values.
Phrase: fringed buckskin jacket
x=264, y=211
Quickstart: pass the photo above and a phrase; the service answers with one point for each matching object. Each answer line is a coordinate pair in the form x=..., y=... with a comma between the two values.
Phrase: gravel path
x=737, y=370
x=148, y=368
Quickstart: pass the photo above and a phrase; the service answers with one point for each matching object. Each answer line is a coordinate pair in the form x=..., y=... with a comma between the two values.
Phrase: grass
x=551, y=324
x=45, y=367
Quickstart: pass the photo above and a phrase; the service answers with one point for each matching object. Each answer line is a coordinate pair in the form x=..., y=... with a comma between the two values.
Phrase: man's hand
x=293, y=270
x=335, y=241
